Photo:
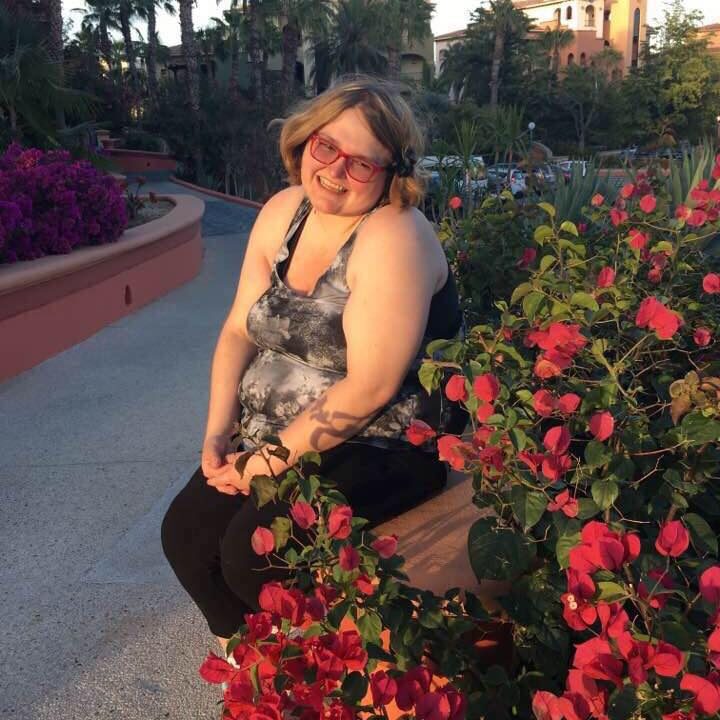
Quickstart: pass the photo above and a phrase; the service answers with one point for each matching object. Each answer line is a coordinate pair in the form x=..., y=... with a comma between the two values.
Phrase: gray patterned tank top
x=302, y=352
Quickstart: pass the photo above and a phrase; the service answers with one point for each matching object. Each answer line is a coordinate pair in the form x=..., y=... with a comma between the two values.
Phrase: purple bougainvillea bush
x=51, y=204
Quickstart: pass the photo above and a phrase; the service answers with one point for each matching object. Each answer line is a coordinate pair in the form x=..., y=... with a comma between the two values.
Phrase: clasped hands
x=220, y=472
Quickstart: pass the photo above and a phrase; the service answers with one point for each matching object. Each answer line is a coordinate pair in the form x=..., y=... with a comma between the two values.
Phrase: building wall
x=621, y=26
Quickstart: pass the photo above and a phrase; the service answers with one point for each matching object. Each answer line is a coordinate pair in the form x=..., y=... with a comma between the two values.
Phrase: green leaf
x=604, y=493
x=597, y=454
x=610, y=591
x=370, y=626
x=263, y=489
x=548, y=208
x=520, y=292
x=703, y=538
x=430, y=376
x=518, y=439
x=587, y=508
x=431, y=619
x=623, y=703
x=531, y=303
x=309, y=487
x=584, y=300
x=563, y=546
x=527, y=505
x=676, y=634
x=542, y=233
x=498, y=553
x=287, y=484
x=354, y=687
x=570, y=227
x=338, y=613
x=281, y=528
x=699, y=429
x=547, y=262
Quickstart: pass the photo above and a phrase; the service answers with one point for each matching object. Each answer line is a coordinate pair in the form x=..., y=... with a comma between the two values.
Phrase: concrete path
x=94, y=444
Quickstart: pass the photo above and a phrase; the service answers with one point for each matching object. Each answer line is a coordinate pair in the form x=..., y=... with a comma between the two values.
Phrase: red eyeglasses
x=360, y=169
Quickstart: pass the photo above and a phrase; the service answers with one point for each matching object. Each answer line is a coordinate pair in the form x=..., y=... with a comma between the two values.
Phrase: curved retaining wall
x=52, y=303
x=140, y=161
x=215, y=193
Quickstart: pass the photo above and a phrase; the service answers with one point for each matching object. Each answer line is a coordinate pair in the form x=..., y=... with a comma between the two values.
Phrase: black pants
x=206, y=534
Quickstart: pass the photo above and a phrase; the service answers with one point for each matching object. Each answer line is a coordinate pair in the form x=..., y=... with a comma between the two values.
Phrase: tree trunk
x=55, y=50
x=105, y=44
x=393, y=55
x=256, y=61
x=290, y=45
x=498, y=51
x=187, y=37
x=125, y=11
x=151, y=58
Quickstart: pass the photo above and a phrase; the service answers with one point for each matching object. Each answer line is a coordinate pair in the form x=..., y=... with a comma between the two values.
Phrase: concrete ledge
x=139, y=161
x=433, y=541
x=52, y=303
x=216, y=194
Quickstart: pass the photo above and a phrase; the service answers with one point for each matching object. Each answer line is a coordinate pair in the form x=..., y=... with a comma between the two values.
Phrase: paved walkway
x=94, y=444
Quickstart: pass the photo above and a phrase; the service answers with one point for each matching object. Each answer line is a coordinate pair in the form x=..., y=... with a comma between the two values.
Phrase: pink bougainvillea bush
x=343, y=637
x=51, y=204
x=593, y=395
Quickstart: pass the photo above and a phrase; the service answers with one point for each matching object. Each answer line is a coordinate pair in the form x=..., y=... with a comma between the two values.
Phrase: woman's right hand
x=214, y=449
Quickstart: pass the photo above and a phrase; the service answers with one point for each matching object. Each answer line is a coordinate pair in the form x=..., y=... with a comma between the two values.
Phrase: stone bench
x=433, y=541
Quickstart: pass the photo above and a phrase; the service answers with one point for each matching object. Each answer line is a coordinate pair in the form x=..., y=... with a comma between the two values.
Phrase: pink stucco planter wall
x=50, y=304
x=140, y=161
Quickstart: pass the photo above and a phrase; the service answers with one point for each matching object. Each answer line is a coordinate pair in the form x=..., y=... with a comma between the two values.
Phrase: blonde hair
x=389, y=117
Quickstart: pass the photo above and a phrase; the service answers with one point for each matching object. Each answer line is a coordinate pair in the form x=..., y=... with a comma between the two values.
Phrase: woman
x=343, y=284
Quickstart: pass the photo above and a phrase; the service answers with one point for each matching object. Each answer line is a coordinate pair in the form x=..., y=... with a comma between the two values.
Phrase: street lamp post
x=531, y=128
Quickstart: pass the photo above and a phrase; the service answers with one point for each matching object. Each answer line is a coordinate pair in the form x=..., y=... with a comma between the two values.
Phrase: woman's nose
x=338, y=167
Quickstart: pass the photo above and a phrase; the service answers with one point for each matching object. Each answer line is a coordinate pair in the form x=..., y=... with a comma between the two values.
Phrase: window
x=571, y=59
x=590, y=16
x=557, y=15
x=568, y=12
x=583, y=59
x=607, y=16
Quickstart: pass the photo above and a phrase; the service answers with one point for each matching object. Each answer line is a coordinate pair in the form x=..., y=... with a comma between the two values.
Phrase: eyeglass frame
x=347, y=156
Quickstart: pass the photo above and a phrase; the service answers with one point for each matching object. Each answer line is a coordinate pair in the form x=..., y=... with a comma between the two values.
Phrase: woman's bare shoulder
x=274, y=218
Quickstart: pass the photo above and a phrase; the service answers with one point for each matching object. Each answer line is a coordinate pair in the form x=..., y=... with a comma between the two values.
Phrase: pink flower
x=697, y=218
x=455, y=202
x=450, y=450
x=710, y=585
x=702, y=337
x=597, y=200
x=554, y=467
x=557, y=439
x=486, y=387
x=527, y=258
x=618, y=217
x=383, y=688
x=711, y=283
x=339, y=522
x=385, y=546
x=673, y=539
x=262, y=541
x=627, y=191
x=568, y=403
x=653, y=314
x=303, y=514
x=602, y=425
x=563, y=502
x=419, y=432
x=638, y=240
x=705, y=690
x=455, y=389
x=606, y=277
x=648, y=203
x=543, y=403
x=348, y=558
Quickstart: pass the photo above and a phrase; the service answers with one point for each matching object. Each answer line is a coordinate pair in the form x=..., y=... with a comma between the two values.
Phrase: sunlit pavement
x=95, y=442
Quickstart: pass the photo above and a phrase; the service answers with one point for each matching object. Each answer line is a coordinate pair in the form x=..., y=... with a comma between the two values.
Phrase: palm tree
x=506, y=20
x=311, y=17
x=230, y=30
x=355, y=43
x=405, y=21
x=101, y=16
x=147, y=8
x=187, y=38
x=127, y=9
x=553, y=41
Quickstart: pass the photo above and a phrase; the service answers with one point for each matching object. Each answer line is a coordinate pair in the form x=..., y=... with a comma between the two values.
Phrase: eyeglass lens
x=325, y=152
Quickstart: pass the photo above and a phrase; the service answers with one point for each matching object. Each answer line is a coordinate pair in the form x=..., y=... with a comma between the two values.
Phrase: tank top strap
x=298, y=218
x=346, y=249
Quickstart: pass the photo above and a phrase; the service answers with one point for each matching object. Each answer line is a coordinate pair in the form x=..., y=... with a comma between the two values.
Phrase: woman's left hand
x=229, y=481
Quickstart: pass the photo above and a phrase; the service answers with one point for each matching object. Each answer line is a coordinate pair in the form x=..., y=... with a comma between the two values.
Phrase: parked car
x=506, y=176
x=472, y=179
x=561, y=172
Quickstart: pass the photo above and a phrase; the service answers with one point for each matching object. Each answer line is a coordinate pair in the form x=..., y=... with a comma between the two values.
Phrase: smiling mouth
x=339, y=189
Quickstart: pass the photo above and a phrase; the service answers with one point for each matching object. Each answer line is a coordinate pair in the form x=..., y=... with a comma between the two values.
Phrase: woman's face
x=330, y=188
